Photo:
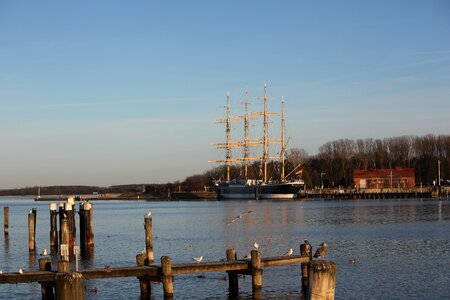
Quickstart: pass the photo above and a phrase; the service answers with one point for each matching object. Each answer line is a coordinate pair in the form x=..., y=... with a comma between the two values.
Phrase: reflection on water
x=396, y=244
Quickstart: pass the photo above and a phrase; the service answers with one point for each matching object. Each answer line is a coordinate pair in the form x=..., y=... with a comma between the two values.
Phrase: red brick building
x=384, y=178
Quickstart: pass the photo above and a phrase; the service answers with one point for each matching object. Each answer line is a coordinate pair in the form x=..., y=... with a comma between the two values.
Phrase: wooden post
x=69, y=286
x=62, y=216
x=89, y=224
x=146, y=288
x=45, y=264
x=53, y=229
x=71, y=224
x=6, y=220
x=167, y=279
x=31, y=232
x=256, y=274
x=233, y=286
x=305, y=251
x=322, y=280
x=63, y=266
x=149, y=239
x=34, y=211
x=65, y=238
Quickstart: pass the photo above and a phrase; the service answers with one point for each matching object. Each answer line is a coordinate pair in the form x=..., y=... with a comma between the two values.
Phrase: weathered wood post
x=62, y=215
x=256, y=274
x=69, y=286
x=45, y=264
x=89, y=224
x=167, y=279
x=71, y=223
x=233, y=286
x=31, y=232
x=6, y=220
x=146, y=288
x=149, y=238
x=53, y=228
x=305, y=251
x=64, y=239
x=34, y=211
x=322, y=280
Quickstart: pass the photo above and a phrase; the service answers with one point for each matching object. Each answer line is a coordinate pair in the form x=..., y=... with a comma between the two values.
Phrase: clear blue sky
x=112, y=92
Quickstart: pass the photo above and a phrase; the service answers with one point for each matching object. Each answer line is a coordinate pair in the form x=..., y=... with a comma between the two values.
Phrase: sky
x=108, y=92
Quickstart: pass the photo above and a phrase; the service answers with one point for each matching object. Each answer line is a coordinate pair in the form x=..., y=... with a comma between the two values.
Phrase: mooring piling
x=322, y=280
x=149, y=238
x=167, y=280
x=31, y=232
x=256, y=274
x=6, y=220
x=144, y=283
x=64, y=230
x=69, y=286
x=45, y=264
x=305, y=251
x=233, y=285
x=71, y=224
x=53, y=228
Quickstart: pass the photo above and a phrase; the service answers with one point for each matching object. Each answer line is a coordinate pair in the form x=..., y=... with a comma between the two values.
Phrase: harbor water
x=384, y=249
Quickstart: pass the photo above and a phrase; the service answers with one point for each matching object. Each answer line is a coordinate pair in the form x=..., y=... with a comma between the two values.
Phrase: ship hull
x=286, y=190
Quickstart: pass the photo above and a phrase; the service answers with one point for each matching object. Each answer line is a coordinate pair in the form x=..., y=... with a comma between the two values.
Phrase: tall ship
x=259, y=188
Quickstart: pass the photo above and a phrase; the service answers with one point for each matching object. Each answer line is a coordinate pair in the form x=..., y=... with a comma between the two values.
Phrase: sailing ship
x=255, y=188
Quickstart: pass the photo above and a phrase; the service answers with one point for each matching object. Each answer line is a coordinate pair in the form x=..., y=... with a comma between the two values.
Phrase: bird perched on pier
x=308, y=249
x=321, y=251
x=20, y=271
x=148, y=215
x=289, y=252
x=1, y=272
x=256, y=245
x=44, y=252
x=198, y=258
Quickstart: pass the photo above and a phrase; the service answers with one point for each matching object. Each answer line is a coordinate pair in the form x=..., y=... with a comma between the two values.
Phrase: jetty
x=61, y=280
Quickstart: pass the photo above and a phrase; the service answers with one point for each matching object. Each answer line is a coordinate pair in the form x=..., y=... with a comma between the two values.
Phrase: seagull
x=198, y=258
x=248, y=256
x=321, y=251
x=352, y=261
x=1, y=272
x=289, y=253
x=239, y=217
x=20, y=271
x=44, y=252
x=256, y=245
x=148, y=215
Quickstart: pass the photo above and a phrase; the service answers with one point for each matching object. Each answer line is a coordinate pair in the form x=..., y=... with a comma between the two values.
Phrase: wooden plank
x=40, y=276
x=283, y=261
x=151, y=271
x=219, y=266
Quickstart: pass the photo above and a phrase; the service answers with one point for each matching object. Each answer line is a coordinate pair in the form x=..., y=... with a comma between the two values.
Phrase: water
x=402, y=247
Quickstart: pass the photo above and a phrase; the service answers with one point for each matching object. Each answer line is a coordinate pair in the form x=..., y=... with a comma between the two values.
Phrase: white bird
x=1, y=272
x=256, y=245
x=289, y=253
x=198, y=258
x=20, y=271
x=44, y=252
x=148, y=214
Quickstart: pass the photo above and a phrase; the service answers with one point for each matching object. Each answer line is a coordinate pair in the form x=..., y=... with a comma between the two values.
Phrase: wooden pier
x=59, y=282
x=366, y=194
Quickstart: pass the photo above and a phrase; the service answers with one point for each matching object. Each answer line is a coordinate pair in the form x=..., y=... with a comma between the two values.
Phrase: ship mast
x=283, y=146
x=266, y=135
x=228, y=129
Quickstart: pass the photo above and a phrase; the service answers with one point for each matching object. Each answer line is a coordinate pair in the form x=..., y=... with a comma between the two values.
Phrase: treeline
x=335, y=161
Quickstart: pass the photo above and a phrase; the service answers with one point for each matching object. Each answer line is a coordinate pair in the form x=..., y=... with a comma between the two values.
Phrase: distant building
x=384, y=178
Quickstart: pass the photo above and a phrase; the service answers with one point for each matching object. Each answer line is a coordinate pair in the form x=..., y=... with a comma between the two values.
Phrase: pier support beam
x=256, y=274
x=144, y=284
x=305, y=251
x=6, y=220
x=167, y=279
x=149, y=239
x=233, y=286
x=45, y=264
x=31, y=232
x=322, y=280
x=69, y=286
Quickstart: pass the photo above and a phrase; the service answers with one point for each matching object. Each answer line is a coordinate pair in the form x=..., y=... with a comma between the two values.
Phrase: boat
x=255, y=188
